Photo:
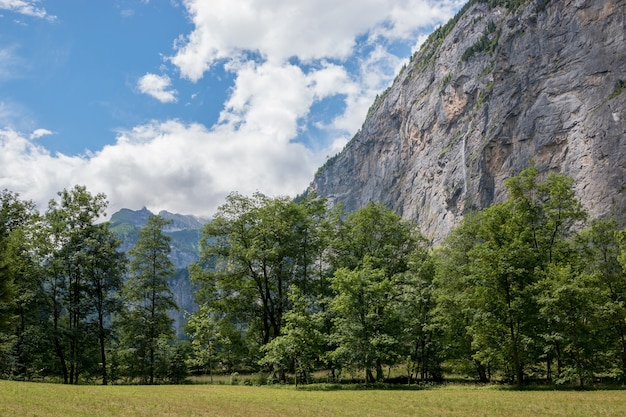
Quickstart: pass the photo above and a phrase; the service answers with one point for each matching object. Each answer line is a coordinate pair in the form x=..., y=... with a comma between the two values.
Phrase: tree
x=205, y=340
x=571, y=305
x=370, y=253
x=13, y=214
x=375, y=233
x=300, y=347
x=453, y=312
x=511, y=243
x=148, y=297
x=253, y=251
x=599, y=250
x=366, y=325
x=18, y=280
x=106, y=267
x=419, y=337
x=70, y=222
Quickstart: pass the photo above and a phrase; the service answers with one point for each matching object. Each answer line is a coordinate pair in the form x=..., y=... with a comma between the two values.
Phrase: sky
x=174, y=104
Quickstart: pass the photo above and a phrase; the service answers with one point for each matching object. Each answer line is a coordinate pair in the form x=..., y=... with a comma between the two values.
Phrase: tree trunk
x=59, y=351
x=482, y=372
x=380, y=376
x=103, y=357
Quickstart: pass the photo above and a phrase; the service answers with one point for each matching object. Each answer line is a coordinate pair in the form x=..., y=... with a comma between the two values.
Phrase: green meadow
x=41, y=399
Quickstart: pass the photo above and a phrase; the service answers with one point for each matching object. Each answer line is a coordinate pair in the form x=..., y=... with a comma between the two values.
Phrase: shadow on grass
x=464, y=385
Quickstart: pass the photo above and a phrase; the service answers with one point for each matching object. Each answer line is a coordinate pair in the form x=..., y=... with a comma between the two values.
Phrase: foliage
x=300, y=347
x=366, y=324
x=487, y=43
x=146, y=328
x=67, y=261
x=519, y=291
x=504, y=253
x=370, y=254
x=253, y=251
x=106, y=267
x=620, y=86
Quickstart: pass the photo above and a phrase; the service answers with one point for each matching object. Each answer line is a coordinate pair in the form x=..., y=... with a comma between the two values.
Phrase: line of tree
x=68, y=305
x=527, y=289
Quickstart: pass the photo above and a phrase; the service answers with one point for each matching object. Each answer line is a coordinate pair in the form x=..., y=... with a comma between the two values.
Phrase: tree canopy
x=524, y=290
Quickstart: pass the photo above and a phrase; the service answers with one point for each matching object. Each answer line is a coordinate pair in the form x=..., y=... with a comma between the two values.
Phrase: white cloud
x=306, y=29
x=168, y=165
x=40, y=174
x=38, y=133
x=242, y=34
x=26, y=7
x=157, y=86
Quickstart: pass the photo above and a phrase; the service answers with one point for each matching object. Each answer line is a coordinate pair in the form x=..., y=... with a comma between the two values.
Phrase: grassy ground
x=39, y=399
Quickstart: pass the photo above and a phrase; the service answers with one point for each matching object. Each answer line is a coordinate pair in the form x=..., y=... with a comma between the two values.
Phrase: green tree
x=452, y=312
x=370, y=253
x=301, y=345
x=19, y=289
x=105, y=269
x=571, y=305
x=70, y=221
x=375, y=233
x=205, y=340
x=146, y=323
x=366, y=325
x=512, y=242
x=419, y=337
x=599, y=251
x=252, y=252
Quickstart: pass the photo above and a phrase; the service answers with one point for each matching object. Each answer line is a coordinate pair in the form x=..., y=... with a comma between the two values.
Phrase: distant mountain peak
x=140, y=217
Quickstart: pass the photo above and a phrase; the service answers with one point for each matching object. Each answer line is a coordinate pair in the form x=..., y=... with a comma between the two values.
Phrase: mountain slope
x=503, y=83
x=184, y=232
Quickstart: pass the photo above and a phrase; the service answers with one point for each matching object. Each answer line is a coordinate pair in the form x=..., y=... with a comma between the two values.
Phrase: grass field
x=39, y=399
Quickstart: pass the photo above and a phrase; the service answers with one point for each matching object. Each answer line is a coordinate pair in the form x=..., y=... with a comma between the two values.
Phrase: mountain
x=184, y=232
x=504, y=83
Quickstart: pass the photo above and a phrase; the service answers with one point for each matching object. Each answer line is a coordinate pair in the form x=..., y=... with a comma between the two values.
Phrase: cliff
x=503, y=83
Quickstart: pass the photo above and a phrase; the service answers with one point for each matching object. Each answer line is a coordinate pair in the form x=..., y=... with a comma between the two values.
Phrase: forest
x=528, y=290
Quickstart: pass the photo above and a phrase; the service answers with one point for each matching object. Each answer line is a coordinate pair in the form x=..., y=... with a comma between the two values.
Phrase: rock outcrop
x=503, y=83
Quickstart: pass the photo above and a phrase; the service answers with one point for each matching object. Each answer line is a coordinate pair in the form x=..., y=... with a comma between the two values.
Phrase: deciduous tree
x=146, y=322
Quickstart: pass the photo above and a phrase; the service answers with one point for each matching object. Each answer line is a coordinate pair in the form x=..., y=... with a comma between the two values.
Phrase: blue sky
x=173, y=104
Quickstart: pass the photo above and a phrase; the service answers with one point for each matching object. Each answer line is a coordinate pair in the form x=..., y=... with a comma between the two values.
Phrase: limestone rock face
x=487, y=93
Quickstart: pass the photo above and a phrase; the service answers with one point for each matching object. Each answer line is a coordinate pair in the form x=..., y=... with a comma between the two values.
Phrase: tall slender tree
x=149, y=297
x=106, y=267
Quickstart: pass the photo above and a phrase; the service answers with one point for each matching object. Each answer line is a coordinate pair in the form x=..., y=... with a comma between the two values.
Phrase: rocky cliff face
x=495, y=88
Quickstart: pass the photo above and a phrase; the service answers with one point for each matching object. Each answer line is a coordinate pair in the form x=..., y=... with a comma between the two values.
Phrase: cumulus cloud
x=157, y=86
x=307, y=29
x=39, y=174
x=311, y=33
x=185, y=168
x=26, y=7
